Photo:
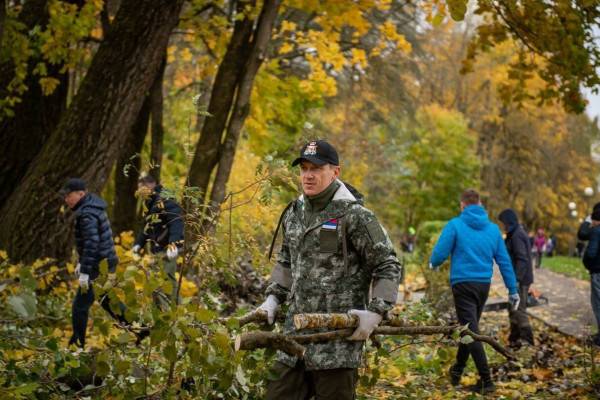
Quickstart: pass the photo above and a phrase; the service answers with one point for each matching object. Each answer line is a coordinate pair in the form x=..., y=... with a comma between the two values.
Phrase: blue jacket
x=473, y=243
x=93, y=235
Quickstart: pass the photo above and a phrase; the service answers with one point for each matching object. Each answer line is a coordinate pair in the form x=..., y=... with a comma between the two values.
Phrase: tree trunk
x=158, y=132
x=125, y=208
x=2, y=19
x=92, y=130
x=241, y=109
x=206, y=155
x=36, y=115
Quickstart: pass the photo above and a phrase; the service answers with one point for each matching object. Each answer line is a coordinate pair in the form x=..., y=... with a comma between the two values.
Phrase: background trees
x=379, y=78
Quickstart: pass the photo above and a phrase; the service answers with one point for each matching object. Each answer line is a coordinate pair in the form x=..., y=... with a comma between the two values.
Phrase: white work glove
x=172, y=251
x=588, y=219
x=271, y=305
x=84, y=281
x=77, y=269
x=368, y=322
x=514, y=300
x=136, y=248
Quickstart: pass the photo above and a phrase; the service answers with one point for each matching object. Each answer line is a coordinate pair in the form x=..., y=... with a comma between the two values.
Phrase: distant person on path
x=93, y=237
x=591, y=260
x=473, y=243
x=551, y=245
x=539, y=247
x=519, y=249
x=163, y=227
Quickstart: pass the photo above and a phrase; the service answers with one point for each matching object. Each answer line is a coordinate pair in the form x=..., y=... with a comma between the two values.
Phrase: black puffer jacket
x=163, y=223
x=518, y=246
x=93, y=235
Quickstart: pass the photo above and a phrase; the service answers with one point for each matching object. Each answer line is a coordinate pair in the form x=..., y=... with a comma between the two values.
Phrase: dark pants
x=299, y=384
x=80, y=313
x=520, y=328
x=595, y=297
x=469, y=299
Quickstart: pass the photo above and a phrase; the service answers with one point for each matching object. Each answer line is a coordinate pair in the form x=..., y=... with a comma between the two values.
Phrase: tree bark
x=206, y=154
x=36, y=115
x=241, y=108
x=125, y=207
x=90, y=133
x=158, y=131
x=2, y=19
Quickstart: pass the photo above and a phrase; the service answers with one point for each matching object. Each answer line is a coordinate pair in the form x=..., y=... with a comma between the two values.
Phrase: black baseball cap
x=72, y=185
x=318, y=152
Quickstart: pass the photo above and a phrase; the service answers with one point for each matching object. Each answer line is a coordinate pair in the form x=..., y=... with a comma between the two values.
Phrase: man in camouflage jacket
x=334, y=253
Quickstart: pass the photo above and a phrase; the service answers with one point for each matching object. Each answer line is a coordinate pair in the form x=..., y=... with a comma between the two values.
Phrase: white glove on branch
x=369, y=320
x=84, y=281
x=77, y=269
x=172, y=251
x=514, y=300
x=271, y=305
x=136, y=249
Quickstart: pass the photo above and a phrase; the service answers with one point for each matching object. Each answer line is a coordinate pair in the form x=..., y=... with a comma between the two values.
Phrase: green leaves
x=24, y=304
x=457, y=9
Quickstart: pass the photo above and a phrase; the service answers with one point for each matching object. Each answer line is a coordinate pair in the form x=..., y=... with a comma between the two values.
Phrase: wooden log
x=258, y=317
x=261, y=339
x=335, y=321
x=329, y=321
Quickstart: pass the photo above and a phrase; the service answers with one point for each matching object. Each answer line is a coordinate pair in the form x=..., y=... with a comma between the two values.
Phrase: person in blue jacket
x=474, y=244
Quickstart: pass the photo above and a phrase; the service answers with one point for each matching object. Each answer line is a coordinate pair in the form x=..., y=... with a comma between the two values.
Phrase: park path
x=568, y=309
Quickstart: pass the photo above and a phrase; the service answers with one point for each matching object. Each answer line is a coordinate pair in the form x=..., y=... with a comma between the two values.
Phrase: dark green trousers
x=299, y=384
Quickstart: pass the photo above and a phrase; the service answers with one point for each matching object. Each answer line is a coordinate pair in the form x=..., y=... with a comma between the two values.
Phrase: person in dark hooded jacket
x=94, y=242
x=163, y=228
x=591, y=260
x=519, y=249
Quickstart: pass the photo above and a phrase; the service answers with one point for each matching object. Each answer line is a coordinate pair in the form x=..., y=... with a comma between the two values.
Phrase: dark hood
x=509, y=219
x=475, y=216
x=90, y=200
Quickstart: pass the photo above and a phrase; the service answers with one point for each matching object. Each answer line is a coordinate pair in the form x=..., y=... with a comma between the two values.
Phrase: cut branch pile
x=343, y=326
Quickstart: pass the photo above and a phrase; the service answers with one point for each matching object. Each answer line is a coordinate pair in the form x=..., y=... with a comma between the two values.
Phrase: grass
x=569, y=266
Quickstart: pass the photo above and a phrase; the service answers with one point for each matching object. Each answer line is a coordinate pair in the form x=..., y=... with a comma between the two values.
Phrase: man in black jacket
x=93, y=237
x=591, y=260
x=585, y=228
x=519, y=249
x=163, y=226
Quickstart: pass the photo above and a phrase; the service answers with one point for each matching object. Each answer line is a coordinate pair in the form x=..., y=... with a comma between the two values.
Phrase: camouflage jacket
x=331, y=266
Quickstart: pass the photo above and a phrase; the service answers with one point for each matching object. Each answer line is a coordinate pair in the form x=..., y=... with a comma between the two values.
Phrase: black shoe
x=483, y=387
x=596, y=340
x=76, y=341
x=454, y=376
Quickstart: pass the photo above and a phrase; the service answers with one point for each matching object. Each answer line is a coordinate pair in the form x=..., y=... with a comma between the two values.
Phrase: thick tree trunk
x=241, y=108
x=206, y=155
x=158, y=131
x=89, y=135
x=36, y=115
x=2, y=19
x=125, y=207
